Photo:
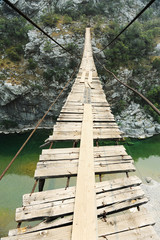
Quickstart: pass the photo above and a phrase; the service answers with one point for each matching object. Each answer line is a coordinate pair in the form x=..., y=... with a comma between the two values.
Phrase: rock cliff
x=22, y=103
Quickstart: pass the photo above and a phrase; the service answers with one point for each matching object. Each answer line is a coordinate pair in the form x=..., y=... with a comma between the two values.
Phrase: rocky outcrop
x=23, y=104
x=130, y=115
x=134, y=122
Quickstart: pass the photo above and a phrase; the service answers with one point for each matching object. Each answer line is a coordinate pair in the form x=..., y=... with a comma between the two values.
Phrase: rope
x=137, y=16
x=39, y=122
x=132, y=89
x=35, y=25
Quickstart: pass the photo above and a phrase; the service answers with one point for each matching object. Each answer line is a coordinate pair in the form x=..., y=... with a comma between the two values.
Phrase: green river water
x=19, y=179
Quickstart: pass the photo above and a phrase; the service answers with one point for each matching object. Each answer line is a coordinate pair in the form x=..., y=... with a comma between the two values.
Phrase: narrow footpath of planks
x=90, y=210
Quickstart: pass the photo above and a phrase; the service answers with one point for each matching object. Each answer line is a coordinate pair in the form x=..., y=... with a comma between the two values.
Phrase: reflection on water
x=19, y=180
x=146, y=154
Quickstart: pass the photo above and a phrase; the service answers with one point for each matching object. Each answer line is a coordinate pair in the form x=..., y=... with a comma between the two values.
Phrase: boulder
x=148, y=179
x=157, y=128
x=150, y=131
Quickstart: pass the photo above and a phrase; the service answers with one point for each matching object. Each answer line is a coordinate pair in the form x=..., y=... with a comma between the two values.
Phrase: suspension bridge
x=92, y=209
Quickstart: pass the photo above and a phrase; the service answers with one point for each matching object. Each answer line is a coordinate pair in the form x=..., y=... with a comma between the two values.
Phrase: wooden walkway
x=91, y=210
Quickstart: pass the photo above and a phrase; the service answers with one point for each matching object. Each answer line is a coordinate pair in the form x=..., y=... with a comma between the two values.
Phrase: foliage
x=72, y=48
x=67, y=19
x=50, y=19
x=13, y=54
x=156, y=63
x=119, y=107
x=58, y=73
x=48, y=75
x=134, y=45
x=47, y=47
x=154, y=96
x=73, y=63
x=13, y=36
x=31, y=64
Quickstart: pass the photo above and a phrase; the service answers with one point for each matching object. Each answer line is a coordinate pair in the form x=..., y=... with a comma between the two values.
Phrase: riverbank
x=152, y=191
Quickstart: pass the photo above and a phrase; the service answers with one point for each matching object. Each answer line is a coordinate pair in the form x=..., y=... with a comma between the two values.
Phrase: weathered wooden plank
x=72, y=127
x=101, y=150
x=96, y=131
x=121, y=206
x=106, y=115
x=137, y=231
x=111, y=225
x=77, y=125
x=63, y=193
x=66, y=170
x=108, y=202
x=145, y=233
x=60, y=222
x=74, y=157
x=65, y=234
x=85, y=216
x=124, y=222
x=75, y=135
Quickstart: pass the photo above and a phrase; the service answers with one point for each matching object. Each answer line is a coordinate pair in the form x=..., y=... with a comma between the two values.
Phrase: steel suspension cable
x=35, y=25
x=137, y=16
x=132, y=89
x=39, y=122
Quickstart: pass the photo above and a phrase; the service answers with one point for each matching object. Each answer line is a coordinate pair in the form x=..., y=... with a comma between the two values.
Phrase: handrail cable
x=132, y=89
x=38, y=123
x=135, y=18
x=35, y=25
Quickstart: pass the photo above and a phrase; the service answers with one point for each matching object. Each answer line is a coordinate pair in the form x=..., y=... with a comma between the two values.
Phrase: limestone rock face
x=9, y=93
x=25, y=104
x=134, y=122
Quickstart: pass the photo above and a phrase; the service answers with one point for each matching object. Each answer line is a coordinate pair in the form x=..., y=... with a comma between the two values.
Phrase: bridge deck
x=91, y=210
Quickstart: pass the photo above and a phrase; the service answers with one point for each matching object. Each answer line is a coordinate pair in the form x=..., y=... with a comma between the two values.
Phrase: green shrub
x=31, y=64
x=119, y=107
x=72, y=48
x=67, y=19
x=12, y=54
x=59, y=73
x=132, y=47
x=47, y=46
x=50, y=19
x=156, y=63
x=13, y=32
x=48, y=75
x=154, y=96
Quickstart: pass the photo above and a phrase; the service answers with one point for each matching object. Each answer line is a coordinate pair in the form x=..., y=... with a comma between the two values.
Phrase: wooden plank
x=108, y=202
x=64, y=233
x=60, y=222
x=66, y=220
x=85, y=216
x=101, y=151
x=67, y=170
x=124, y=222
x=116, y=224
x=96, y=131
x=90, y=77
x=76, y=135
x=63, y=193
x=63, y=163
x=145, y=233
x=74, y=157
